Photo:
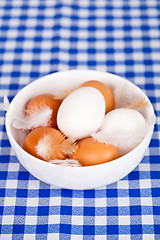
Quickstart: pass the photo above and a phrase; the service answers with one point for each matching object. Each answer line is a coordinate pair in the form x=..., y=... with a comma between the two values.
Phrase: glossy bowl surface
x=75, y=177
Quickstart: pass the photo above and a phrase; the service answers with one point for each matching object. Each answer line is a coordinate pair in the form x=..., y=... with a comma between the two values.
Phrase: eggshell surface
x=124, y=128
x=81, y=113
x=91, y=152
x=105, y=90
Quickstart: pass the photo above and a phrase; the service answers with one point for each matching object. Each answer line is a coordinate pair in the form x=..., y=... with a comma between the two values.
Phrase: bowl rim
x=11, y=138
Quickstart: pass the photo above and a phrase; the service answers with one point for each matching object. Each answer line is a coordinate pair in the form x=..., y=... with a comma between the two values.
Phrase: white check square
x=77, y=220
x=100, y=202
x=6, y=237
x=123, y=201
x=145, y=183
x=75, y=237
x=32, y=201
x=51, y=236
x=147, y=219
x=146, y=201
x=30, y=220
x=124, y=237
x=100, y=237
x=54, y=219
x=9, y=201
x=123, y=220
x=77, y=202
x=11, y=184
x=55, y=201
x=33, y=184
x=100, y=220
x=30, y=237
x=7, y=219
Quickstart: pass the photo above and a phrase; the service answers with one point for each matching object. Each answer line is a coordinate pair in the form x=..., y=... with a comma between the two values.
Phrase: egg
x=81, y=113
x=91, y=152
x=105, y=90
x=125, y=128
x=40, y=103
x=47, y=143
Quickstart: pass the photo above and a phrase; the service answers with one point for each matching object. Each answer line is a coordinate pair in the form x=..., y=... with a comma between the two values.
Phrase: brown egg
x=47, y=143
x=41, y=101
x=107, y=93
x=91, y=152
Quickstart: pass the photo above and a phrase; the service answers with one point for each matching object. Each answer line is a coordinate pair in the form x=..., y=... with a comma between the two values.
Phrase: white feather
x=44, y=147
x=6, y=103
x=66, y=162
x=124, y=143
x=39, y=117
x=100, y=137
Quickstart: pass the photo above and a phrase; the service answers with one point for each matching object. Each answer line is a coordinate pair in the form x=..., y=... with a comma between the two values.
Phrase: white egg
x=81, y=113
x=125, y=128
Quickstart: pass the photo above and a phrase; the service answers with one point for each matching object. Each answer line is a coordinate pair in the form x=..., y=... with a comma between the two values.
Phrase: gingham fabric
x=41, y=37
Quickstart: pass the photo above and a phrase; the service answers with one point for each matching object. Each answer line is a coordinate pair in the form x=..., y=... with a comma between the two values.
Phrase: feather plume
x=124, y=143
x=46, y=147
x=39, y=117
x=66, y=162
x=6, y=103
x=68, y=146
x=64, y=94
x=137, y=103
x=100, y=137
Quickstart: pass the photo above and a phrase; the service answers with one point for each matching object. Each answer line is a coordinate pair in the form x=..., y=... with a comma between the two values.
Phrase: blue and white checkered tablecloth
x=40, y=37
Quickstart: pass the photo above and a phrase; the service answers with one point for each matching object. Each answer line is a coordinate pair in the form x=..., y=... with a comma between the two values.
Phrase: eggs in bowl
x=78, y=177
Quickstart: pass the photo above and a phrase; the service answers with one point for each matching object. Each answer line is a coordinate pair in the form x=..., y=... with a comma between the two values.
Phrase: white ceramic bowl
x=76, y=177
